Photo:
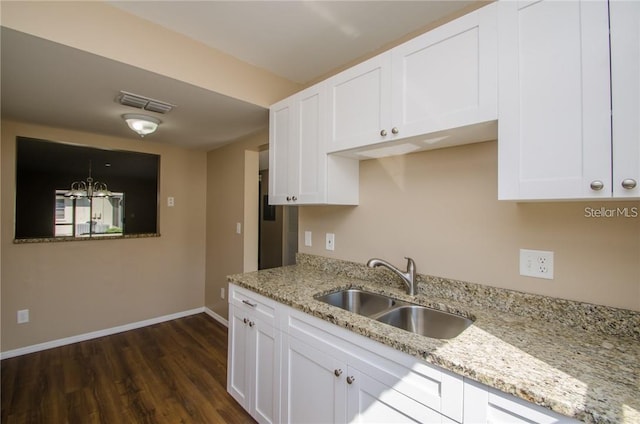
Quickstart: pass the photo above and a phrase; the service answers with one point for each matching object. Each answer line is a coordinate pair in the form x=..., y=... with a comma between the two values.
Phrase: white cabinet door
x=310, y=163
x=238, y=384
x=625, y=85
x=485, y=405
x=447, y=77
x=370, y=401
x=264, y=352
x=253, y=374
x=360, y=104
x=554, y=100
x=282, y=151
x=313, y=386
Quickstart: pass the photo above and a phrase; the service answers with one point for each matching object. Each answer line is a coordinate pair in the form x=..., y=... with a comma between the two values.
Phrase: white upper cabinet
x=360, y=104
x=300, y=171
x=625, y=85
x=443, y=79
x=447, y=77
x=555, y=101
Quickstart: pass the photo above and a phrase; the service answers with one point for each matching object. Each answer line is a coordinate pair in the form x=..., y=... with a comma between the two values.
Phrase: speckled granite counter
x=562, y=358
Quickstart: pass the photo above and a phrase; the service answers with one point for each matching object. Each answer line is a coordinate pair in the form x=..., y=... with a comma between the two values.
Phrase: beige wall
x=104, y=30
x=440, y=207
x=227, y=252
x=73, y=288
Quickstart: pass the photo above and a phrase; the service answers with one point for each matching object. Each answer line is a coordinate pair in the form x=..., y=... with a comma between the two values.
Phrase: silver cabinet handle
x=383, y=133
x=246, y=302
x=337, y=372
x=351, y=379
x=395, y=130
x=629, y=183
x=597, y=185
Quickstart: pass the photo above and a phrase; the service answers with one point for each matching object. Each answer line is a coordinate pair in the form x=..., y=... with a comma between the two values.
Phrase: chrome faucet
x=408, y=278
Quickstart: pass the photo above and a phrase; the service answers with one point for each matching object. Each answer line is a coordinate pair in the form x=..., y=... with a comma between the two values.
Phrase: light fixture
x=141, y=124
x=89, y=188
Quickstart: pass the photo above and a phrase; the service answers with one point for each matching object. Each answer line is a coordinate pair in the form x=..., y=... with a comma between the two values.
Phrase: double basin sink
x=407, y=316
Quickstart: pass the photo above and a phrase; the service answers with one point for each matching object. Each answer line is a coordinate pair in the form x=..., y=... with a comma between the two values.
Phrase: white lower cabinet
x=253, y=372
x=288, y=366
x=333, y=375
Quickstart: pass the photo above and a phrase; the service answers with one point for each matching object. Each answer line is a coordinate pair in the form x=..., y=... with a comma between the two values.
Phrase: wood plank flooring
x=173, y=372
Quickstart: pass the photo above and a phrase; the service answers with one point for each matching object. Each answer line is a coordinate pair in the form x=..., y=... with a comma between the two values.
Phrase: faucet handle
x=411, y=265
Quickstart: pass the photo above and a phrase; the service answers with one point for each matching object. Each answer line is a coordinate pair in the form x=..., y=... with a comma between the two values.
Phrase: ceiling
x=51, y=84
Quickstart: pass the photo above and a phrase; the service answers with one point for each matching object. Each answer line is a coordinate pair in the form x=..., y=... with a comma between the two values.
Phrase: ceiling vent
x=141, y=102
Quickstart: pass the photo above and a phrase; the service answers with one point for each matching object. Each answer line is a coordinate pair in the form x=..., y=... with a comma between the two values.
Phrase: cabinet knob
x=251, y=323
x=395, y=130
x=629, y=183
x=337, y=372
x=597, y=185
x=383, y=133
x=294, y=198
x=245, y=320
x=351, y=379
x=288, y=198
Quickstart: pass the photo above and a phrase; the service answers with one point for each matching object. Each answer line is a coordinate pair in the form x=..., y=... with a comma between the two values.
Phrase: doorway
x=277, y=225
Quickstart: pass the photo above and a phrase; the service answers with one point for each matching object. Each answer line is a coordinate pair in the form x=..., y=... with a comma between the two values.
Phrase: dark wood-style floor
x=173, y=372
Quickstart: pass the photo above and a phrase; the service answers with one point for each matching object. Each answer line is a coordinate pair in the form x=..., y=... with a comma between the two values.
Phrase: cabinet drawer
x=484, y=404
x=261, y=307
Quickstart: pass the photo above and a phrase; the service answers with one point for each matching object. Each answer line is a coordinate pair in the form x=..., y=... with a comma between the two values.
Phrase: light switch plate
x=23, y=316
x=307, y=238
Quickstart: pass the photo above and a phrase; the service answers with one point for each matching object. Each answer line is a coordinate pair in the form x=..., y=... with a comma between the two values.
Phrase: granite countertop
x=575, y=371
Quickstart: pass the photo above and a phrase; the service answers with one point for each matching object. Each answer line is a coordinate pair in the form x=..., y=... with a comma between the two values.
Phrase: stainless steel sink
x=404, y=315
x=358, y=301
x=426, y=321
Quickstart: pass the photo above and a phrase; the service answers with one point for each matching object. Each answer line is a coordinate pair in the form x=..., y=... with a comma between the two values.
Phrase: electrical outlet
x=171, y=202
x=536, y=263
x=222, y=293
x=307, y=238
x=23, y=316
x=331, y=241
x=238, y=228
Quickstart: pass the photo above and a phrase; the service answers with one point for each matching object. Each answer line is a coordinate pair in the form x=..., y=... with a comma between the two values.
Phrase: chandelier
x=88, y=188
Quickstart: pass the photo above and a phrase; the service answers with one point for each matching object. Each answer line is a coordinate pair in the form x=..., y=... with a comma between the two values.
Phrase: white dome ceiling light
x=141, y=124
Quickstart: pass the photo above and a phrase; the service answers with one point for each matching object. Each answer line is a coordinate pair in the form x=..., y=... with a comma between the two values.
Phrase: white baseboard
x=217, y=317
x=106, y=332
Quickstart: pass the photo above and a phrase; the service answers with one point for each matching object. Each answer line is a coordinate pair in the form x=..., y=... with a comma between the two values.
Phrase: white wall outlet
x=307, y=238
x=171, y=202
x=23, y=316
x=536, y=263
x=331, y=241
x=222, y=293
x=238, y=228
